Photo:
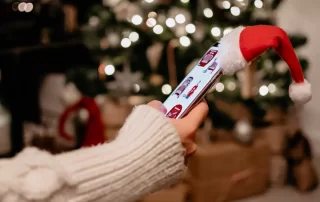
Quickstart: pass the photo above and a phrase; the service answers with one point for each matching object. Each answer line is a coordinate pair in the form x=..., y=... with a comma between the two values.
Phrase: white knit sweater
x=147, y=156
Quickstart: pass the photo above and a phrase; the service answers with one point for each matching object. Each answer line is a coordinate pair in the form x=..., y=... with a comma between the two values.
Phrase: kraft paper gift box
x=225, y=171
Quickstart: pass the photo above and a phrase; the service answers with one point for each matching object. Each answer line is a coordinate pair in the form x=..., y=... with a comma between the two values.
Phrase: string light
x=170, y=22
x=190, y=28
x=149, y=1
x=226, y=4
x=166, y=89
x=94, y=21
x=134, y=36
x=125, y=42
x=208, y=12
x=109, y=69
x=180, y=18
x=227, y=31
x=136, y=19
x=231, y=86
x=152, y=14
x=219, y=87
x=271, y=88
x=151, y=22
x=22, y=6
x=235, y=11
x=216, y=31
x=258, y=3
x=28, y=8
x=184, y=1
x=185, y=41
x=158, y=29
x=136, y=88
x=263, y=90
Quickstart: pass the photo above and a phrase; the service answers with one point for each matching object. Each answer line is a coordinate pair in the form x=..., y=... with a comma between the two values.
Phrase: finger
x=158, y=106
x=198, y=114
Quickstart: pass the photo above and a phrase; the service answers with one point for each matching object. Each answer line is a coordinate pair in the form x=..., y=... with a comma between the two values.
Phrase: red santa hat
x=244, y=44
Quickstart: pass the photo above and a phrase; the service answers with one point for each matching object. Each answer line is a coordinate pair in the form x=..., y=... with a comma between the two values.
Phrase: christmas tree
x=146, y=47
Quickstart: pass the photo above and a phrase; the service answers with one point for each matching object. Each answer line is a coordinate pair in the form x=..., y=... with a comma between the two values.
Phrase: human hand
x=187, y=126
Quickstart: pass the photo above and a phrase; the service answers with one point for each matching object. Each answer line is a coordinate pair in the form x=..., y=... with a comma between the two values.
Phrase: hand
x=187, y=126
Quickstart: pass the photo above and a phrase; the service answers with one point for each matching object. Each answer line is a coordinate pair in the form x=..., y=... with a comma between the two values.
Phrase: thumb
x=158, y=106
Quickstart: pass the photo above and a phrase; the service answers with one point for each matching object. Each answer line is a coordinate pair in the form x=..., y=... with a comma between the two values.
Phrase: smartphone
x=195, y=85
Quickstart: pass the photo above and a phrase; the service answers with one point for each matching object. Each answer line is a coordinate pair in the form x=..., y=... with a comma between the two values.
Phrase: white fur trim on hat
x=300, y=93
x=229, y=55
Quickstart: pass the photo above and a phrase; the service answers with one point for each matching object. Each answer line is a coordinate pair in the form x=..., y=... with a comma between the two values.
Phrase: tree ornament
x=126, y=82
x=243, y=132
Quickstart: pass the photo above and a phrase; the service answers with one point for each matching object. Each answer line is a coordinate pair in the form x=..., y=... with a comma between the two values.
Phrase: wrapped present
x=276, y=137
x=178, y=193
x=225, y=170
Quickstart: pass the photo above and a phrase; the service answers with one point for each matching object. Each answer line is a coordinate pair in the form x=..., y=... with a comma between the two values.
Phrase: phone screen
x=195, y=85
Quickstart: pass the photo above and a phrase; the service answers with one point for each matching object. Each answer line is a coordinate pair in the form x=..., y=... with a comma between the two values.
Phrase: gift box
x=178, y=193
x=225, y=170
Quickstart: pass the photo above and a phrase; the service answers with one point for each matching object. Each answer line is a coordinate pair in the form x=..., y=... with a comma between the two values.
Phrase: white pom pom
x=300, y=93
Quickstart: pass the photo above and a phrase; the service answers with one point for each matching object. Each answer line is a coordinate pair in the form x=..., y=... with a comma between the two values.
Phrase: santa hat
x=244, y=44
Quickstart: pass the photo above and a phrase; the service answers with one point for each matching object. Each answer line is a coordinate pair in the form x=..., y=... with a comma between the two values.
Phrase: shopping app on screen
x=198, y=78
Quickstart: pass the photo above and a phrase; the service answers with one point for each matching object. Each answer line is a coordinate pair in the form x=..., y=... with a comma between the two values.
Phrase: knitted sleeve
x=146, y=156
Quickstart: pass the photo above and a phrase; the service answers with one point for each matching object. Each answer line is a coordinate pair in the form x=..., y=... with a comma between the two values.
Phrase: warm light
x=216, y=31
x=185, y=41
x=170, y=22
x=272, y=88
x=258, y=3
x=149, y=1
x=166, y=89
x=94, y=21
x=28, y=8
x=180, y=18
x=263, y=90
x=109, y=69
x=219, y=87
x=136, y=88
x=158, y=29
x=235, y=11
x=208, y=12
x=184, y=1
x=134, y=36
x=22, y=7
x=231, y=86
x=125, y=42
x=226, y=4
x=136, y=19
x=227, y=31
x=151, y=22
x=152, y=14
x=190, y=28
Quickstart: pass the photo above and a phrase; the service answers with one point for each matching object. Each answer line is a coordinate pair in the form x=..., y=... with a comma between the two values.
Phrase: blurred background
x=63, y=62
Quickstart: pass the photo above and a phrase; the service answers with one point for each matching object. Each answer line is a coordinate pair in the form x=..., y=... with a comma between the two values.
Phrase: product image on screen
x=193, y=85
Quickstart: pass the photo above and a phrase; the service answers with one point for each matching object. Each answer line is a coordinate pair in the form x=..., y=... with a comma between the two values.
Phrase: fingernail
x=163, y=109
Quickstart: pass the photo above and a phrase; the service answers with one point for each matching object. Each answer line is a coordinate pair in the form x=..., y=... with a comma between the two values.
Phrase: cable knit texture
x=146, y=157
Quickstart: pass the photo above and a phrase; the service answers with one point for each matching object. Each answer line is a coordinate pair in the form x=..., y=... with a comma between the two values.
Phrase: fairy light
x=231, y=86
x=134, y=36
x=170, y=22
x=226, y=4
x=152, y=14
x=136, y=88
x=185, y=41
x=208, y=12
x=235, y=11
x=184, y=1
x=136, y=19
x=263, y=90
x=166, y=89
x=109, y=70
x=149, y=1
x=22, y=6
x=271, y=88
x=180, y=18
x=158, y=29
x=227, y=31
x=216, y=31
x=190, y=28
x=28, y=8
x=219, y=87
x=151, y=22
x=258, y=3
x=94, y=21
x=125, y=42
